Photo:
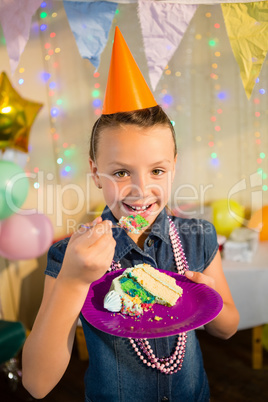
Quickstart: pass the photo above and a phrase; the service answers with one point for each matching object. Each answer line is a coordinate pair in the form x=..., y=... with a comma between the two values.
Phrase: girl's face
x=135, y=168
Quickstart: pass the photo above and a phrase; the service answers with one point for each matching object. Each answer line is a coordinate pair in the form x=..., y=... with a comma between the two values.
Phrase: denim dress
x=115, y=373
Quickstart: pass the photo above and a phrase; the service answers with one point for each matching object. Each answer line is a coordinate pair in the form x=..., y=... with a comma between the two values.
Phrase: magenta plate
x=198, y=305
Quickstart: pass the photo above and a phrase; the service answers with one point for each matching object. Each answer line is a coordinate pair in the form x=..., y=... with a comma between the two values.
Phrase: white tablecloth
x=249, y=287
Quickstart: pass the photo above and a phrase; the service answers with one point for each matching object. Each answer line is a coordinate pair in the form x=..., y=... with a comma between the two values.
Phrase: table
x=248, y=282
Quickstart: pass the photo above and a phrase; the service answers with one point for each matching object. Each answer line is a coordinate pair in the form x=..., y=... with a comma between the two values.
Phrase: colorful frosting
x=133, y=223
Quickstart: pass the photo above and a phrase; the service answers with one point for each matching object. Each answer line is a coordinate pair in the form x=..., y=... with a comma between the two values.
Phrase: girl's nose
x=140, y=186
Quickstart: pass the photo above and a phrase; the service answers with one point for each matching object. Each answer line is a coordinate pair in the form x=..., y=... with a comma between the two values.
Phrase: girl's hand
x=198, y=277
x=89, y=253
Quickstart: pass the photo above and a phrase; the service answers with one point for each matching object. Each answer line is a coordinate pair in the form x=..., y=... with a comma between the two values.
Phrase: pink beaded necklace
x=173, y=363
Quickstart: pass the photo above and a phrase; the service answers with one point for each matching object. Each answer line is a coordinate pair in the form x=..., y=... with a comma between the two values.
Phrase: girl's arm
x=226, y=323
x=47, y=350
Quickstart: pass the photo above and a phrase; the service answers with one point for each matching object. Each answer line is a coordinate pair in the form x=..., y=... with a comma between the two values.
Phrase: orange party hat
x=126, y=88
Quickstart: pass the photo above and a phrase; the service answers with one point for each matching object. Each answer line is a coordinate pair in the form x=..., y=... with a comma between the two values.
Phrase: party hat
x=126, y=88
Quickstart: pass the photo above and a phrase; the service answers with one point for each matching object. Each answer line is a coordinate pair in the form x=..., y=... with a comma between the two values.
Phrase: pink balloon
x=23, y=237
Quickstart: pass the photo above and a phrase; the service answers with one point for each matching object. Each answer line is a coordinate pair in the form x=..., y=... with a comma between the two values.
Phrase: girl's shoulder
x=55, y=257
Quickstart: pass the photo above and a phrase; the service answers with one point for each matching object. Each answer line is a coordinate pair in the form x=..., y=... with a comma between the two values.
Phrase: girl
x=132, y=158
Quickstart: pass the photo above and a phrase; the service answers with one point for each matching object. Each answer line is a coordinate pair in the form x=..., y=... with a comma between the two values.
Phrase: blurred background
x=221, y=134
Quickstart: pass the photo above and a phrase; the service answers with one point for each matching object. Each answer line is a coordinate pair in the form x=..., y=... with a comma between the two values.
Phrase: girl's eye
x=157, y=172
x=121, y=174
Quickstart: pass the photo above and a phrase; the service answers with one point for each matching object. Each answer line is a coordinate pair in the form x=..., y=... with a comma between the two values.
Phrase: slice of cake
x=138, y=288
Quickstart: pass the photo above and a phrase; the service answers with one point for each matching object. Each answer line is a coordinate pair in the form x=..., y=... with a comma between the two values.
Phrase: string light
x=222, y=95
x=43, y=27
x=54, y=112
x=95, y=93
x=210, y=140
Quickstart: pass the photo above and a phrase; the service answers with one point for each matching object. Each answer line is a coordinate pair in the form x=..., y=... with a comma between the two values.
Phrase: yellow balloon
x=16, y=117
x=227, y=216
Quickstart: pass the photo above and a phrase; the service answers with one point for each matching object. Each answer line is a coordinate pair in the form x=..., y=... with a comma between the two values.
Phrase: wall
x=220, y=133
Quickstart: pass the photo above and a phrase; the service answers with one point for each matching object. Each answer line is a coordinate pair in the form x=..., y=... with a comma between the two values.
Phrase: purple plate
x=198, y=305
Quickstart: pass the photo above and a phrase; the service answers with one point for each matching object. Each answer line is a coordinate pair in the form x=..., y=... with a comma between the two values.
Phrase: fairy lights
x=49, y=78
x=54, y=112
x=222, y=95
x=167, y=99
x=260, y=141
x=95, y=93
x=43, y=27
x=45, y=76
x=97, y=102
x=216, y=123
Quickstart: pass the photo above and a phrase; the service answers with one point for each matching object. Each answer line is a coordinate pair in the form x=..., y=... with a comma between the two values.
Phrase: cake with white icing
x=138, y=288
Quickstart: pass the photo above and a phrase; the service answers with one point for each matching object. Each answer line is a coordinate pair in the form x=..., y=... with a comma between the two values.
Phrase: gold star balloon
x=16, y=117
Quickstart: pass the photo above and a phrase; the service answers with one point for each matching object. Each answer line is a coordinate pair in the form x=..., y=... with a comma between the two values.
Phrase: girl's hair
x=146, y=118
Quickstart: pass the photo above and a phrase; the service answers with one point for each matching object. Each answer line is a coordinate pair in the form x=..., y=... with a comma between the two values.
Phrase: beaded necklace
x=173, y=363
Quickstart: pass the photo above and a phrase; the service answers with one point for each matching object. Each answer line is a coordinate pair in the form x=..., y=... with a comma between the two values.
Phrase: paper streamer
x=163, y=27
x=180, y=1
x=247, y=28
x=90, y=23
x=16, y=18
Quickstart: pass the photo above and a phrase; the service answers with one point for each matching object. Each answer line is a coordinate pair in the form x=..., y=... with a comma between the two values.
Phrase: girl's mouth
x=143, y=210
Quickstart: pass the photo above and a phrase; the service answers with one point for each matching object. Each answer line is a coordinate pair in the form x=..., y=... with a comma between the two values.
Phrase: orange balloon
x=259, y=221
x=126, y=88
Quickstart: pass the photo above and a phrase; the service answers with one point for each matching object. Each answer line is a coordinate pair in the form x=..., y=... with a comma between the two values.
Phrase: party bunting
x=247, y=28
x=180, y=1
x=163, y=27
x=15, y=18
x=90, y=23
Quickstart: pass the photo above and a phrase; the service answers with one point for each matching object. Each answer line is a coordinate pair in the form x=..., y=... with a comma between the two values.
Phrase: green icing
x=141, y=221
x=133, y=289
